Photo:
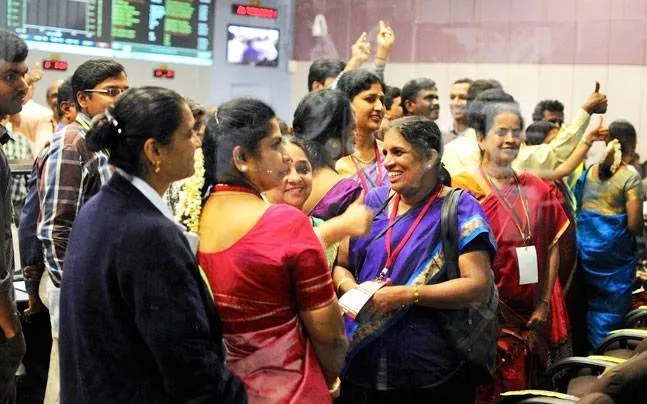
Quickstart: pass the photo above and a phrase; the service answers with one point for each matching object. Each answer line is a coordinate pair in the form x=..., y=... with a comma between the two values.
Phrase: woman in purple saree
x=399, y=352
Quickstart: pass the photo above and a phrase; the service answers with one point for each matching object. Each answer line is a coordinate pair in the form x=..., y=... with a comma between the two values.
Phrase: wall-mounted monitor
x=168, y=31
x=255, y=46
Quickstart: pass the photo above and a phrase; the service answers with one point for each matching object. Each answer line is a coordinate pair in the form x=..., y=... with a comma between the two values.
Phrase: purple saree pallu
x=337, y=199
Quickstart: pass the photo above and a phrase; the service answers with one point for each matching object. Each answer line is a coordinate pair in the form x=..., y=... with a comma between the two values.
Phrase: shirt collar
x=83, y=120
x=148, y=191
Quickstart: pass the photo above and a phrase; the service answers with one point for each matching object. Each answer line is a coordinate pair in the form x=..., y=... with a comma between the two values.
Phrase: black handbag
x=473, y=331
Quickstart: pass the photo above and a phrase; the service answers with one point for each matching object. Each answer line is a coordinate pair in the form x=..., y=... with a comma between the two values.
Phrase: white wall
x=209, y=85
x=529, y=83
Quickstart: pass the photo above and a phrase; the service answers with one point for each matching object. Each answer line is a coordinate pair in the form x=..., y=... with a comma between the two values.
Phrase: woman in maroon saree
x=527, y=221
x=322, y=119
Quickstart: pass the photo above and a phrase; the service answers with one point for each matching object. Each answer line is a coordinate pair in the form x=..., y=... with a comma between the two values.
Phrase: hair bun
x=103, y=133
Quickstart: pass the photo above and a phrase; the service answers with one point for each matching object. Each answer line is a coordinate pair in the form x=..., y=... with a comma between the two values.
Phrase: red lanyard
x=362, y=175
x=234, y=188
x=524, y=231
x=392, y=255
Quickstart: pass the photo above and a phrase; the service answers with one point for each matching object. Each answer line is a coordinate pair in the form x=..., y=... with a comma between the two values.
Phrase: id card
x=527, y=263
x=353, y=301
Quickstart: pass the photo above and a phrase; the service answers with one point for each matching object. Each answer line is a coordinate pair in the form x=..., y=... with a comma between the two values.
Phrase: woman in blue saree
x=609, y=198
x=398, y=349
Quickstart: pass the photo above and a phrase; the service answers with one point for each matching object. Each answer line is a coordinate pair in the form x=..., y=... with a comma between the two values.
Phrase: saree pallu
x=277, y=365
x=609, y=256
x=548, y=222
x=571, y=276
x=567, y=243
x=337, y=199
x=406, y=349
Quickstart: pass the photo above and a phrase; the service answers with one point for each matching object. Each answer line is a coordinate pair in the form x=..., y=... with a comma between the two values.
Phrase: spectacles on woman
x=501, y=132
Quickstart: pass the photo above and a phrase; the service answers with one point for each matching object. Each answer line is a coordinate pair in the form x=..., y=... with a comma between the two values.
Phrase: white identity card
x=527, y=263
x=353, y=301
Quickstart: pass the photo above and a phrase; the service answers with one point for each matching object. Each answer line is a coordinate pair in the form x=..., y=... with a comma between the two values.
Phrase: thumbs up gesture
x=358, y=218
x=596, y=103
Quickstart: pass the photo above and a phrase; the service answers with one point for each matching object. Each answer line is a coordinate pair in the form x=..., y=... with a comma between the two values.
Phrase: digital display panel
x=48, y=24
x=170, y=31
x=180, y=29
x=255, y=11
x=252, y=45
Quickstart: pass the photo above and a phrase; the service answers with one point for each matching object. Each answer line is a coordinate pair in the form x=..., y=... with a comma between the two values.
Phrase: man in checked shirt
x=16, y=147
x=70, y=175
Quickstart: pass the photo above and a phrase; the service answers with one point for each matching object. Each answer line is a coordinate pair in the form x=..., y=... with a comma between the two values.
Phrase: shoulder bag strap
x=449, y=232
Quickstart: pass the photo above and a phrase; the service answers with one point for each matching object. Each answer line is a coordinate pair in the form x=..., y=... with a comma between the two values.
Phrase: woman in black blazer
x=137, y=321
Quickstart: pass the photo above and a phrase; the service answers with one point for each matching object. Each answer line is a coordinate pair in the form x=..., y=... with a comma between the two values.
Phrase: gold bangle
x=587, y=142
x=416, y=294
x=342, y=282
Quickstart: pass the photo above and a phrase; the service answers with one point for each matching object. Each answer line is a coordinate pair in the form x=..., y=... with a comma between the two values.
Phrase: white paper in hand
x=353, y=301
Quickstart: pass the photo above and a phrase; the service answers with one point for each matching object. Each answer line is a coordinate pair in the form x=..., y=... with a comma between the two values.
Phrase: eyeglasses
x=501, y=132
x=111, y=92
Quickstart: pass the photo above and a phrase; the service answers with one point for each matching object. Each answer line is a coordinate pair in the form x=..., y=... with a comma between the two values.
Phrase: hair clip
x=215, y=115
x=112, y=120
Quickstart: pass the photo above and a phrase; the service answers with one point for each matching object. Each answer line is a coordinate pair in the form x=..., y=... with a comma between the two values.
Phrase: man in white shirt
x=458, y=108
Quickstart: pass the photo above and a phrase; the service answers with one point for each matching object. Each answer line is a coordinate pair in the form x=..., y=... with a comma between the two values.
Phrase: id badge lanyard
x=391, y=254
x=526, y=254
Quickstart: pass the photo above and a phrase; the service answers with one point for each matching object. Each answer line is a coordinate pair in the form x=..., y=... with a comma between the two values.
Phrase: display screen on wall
x=254, y=46
x=172, y=31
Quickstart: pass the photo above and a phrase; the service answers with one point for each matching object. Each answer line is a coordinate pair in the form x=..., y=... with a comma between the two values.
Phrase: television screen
x=254, y=46
x=153, y=30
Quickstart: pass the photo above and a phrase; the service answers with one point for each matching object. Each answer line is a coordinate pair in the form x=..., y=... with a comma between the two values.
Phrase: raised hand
x=599, y=132
x=35, y=74
x=361, y=49
x=386, y=37
x=596, y=103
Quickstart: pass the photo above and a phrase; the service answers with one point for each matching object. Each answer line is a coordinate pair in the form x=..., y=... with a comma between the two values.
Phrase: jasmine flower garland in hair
x=190, y=202
x=613, y=149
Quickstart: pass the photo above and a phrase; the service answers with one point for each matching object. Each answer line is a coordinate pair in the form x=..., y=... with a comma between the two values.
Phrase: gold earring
x=157, y=166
